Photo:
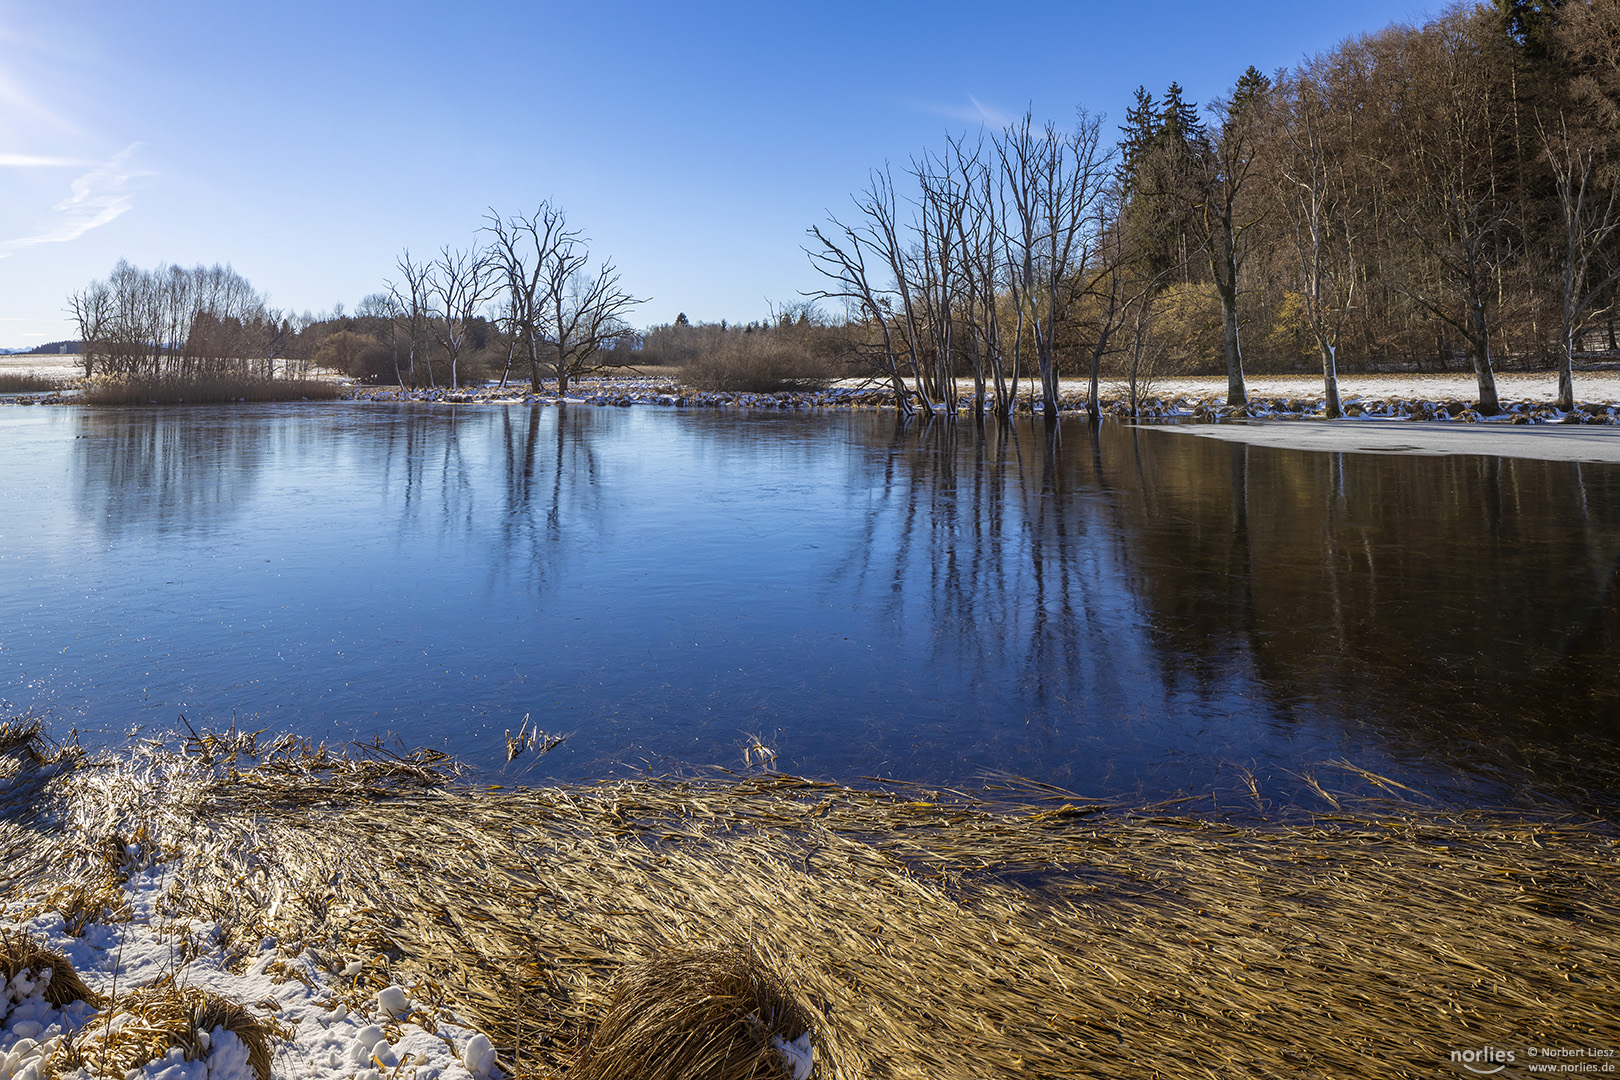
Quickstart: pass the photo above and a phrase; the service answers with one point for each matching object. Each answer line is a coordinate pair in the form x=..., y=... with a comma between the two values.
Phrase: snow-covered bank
x=922, y=933
x=1526, y=398
x=1539, y=442
x=153, y=972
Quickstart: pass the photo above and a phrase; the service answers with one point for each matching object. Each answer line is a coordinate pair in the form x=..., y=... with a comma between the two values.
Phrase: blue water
x=1125, y=613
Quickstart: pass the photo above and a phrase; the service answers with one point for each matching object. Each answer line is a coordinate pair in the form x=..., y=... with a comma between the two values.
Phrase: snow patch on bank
x=392, y=1038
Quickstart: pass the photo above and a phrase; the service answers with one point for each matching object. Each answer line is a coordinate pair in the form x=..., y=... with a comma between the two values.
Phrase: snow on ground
x=391, y=1038
x=1510, y=386
x=1543, y=442
x=45, y=365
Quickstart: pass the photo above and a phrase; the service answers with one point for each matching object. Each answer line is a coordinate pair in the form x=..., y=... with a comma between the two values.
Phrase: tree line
x=1414, y=197
x=527, y=299
x=1420, y=197
x=176, y=323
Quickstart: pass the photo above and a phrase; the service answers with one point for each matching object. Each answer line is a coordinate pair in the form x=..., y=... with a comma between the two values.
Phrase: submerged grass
x=921, y=936
x=205, y=390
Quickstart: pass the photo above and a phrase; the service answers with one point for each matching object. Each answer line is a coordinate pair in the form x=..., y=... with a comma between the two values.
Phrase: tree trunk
x=1236, y=394
x=1566, y=379
x=1566, y=337
x=1330, y=380
x=1093, y=406
x=1483, y=372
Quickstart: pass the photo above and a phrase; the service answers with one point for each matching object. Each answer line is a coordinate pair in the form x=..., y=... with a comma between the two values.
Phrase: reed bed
x=29, y=383
x=205, y=389
x=1020, y=932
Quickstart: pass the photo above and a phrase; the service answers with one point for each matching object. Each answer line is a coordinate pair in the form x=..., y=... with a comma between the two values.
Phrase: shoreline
x=1380, y=418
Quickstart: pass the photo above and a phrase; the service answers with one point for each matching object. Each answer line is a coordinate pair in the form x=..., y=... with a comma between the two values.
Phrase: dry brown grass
x=19, y=953
x=694, y=1015
x=28, y=383
x=759, y=363
x=23, y=740
x=151, y=1022
x=205, y=390
x=925, y=934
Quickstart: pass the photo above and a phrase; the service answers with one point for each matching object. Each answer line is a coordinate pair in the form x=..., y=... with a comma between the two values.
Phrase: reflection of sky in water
x=1131, y=616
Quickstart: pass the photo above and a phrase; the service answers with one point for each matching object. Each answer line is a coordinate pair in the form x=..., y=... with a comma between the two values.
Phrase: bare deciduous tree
x=1582, y=146
x=1311, y=178
x=1451, y=199
x=1225, y=217
x=564, y=315
x=894, y=303
x=459, y=282
x=413, y=313
x=1054, y=182
x=843, y=260
x=173, y=323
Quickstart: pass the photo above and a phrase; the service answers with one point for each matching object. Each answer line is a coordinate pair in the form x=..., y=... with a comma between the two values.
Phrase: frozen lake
x=1137, y=615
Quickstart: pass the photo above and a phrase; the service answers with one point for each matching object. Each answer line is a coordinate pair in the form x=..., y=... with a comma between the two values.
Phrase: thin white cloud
x=975, y=112
x=992, y=116
x=95, y=198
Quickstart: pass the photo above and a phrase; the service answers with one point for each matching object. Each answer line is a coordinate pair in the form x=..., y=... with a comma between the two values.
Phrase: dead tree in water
x=1055, y=185
x=895, y=305
x=844, y=261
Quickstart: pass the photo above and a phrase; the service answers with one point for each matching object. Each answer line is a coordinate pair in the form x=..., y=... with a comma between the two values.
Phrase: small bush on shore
x=802, y=353
x=208, y=389
x=758, y=363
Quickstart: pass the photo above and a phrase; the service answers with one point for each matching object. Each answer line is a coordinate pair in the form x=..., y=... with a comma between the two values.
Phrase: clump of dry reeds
x=24, y=745
x=707, y=1014
x=150, y=1023
x=20, y=953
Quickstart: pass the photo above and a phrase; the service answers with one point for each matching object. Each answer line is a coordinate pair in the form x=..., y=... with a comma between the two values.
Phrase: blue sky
x=308, y=144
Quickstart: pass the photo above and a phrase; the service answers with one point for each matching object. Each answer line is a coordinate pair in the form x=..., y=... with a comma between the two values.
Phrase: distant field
x=57, y=366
